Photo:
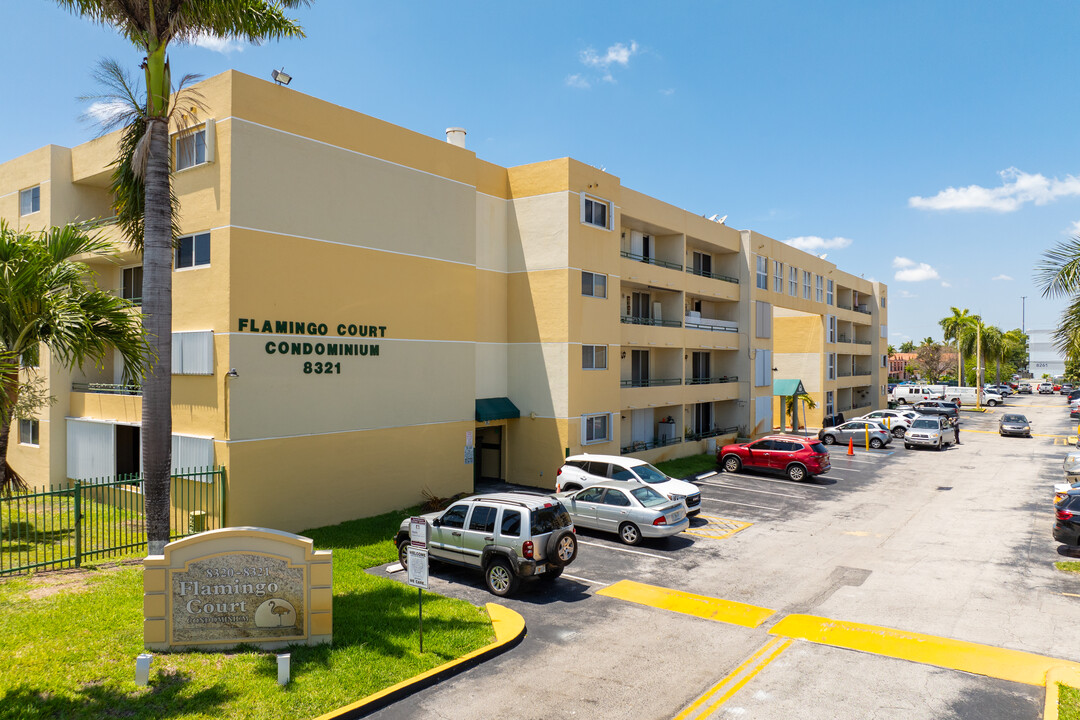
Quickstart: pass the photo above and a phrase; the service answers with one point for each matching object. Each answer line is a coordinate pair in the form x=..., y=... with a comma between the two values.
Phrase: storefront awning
x=787, y=388
x=499, y=408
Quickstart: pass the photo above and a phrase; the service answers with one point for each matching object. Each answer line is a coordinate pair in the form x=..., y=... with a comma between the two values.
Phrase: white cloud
x=1017, y=189
x=1074, y=229
x=813, y=244
x=104, y=112
x=945, y=284
x=908, y=270
x=906, y=294
x=617, y=54
x=1003, y=276
x=219, y=45
x=578, y=81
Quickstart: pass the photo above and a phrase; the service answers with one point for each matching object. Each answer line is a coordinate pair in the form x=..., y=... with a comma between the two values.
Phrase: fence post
x=221, y=495
x=78, y=523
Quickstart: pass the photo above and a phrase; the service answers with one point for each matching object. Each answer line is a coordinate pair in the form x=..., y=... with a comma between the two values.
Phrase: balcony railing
x=634, y=320
x=863, y=309
x=862, y=373
x=862, y=342
x=843, y=307
x=106, y=388
x=711, y=380
x=714, y=276
x=650, y=382
x=843, y=339
x=641, y=445
x=843, y=373
x=712, y=433
x=96, y=223
x=651, y=260
x=703, y=324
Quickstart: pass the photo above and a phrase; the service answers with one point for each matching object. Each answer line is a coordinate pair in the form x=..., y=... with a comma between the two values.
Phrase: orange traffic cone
x=851, y=446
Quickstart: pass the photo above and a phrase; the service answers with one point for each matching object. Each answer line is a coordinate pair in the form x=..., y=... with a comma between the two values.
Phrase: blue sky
x=929, y=145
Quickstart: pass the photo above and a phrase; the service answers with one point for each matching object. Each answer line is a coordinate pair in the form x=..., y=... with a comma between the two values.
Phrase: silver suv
x=510, y=536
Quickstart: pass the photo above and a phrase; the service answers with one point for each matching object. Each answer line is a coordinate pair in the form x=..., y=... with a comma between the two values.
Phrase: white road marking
x=708, y=475
x=746, y=489
x=622, y=549
x=768, y=479
x=849, y=458
x=587, y=581
x=732, y=502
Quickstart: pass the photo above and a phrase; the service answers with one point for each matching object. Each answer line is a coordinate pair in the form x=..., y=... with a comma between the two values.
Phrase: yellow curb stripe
x=1065, y=676
x=702, y=606
x=1012, y=665
x=770, y=645
x=508, y=626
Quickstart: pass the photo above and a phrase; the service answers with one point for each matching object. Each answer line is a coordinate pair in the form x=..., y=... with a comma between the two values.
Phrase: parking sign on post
x=418, y=563
x=418, y=532
x=418, y=567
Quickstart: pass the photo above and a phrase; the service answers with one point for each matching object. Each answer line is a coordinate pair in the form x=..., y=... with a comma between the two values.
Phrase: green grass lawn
x=692, y=465
x=1071, y=566
x=69, y=641
x=1068, y=703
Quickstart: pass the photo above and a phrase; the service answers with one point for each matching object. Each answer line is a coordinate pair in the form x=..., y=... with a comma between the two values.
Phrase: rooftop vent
x=456, y=136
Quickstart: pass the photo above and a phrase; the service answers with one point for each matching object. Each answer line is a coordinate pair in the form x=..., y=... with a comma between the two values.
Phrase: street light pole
x=1023, y=331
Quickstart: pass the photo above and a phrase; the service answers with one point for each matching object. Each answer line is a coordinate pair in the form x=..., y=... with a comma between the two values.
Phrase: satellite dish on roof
x=718, y=218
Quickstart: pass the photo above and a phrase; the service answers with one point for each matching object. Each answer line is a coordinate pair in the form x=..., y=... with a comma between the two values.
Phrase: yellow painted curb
x=1012, y=665
x=702, y=606
x=1064, y=675
x=509, y=629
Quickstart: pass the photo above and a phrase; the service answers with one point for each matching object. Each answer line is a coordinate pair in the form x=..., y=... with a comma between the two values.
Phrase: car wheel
x=561, y=548
x=829, y=439
x=875, y=443
x=796, y=473
x=899, y=432
x=570, y=486
x=629, y=533
x=403, y=553
x=939, y=445
x=901, y=401
x=500, y=577
x=991, y=403
x=732, y=463
x=907, y=446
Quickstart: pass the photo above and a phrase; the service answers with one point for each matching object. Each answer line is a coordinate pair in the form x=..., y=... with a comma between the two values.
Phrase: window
x=193, y=353
x=28, y=432
x=762, y=273
x=593, y=284
x=829, y=292
x=763, y=369
x=884, y=331
x=884, y=361
x=806, y=284
x=830, y=366
x=30, y=200
x=132, y=287
x=191, y=149
x=616, y=498
x=830, y=325
x=483, y=519
x=618, y=472
x=591, y=495
x=595, y=428
x=882, y=302
x=778, y=276
x=594, y=357
x=594, y=212
x=763, y=319
x=702, y=264
x=829, y=403
x=455, y=516
x=819, y=288
x=793, y=281
x=511, y=523
x=192, y=251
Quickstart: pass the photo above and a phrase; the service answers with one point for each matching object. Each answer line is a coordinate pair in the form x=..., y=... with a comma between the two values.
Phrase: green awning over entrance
x=499, y=408
x=787, y=388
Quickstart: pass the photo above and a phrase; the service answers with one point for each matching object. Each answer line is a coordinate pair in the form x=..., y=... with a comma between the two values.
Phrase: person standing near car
x=956, y=430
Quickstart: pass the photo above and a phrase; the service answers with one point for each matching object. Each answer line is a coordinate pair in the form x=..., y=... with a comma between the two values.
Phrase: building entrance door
x=127, y=450
x=489, y=453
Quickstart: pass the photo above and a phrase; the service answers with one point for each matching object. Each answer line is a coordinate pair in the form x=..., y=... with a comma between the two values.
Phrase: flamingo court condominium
x=403, y=317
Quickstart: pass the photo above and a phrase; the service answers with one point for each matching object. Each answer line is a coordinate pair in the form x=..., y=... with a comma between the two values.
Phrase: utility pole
x=978, y=363
x=1023, y=331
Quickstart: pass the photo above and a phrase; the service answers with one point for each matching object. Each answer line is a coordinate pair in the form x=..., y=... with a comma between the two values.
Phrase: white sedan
x=632, y=510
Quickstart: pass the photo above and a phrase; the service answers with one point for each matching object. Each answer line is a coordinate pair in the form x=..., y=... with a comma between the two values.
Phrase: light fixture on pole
x=228, y=376
x=280, y=76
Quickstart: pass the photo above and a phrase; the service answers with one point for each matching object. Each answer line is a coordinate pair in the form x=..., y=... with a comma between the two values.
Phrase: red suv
x=798, y=457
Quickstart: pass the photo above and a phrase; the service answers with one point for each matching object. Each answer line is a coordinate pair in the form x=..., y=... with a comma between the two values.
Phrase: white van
x=911, y=394
x=966, y=396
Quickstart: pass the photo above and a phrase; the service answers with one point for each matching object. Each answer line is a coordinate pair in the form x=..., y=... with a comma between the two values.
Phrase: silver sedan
x=632, y=510
x=860, y=431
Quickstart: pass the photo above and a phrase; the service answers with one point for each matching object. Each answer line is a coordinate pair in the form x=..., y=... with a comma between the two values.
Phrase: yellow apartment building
x=363, y=314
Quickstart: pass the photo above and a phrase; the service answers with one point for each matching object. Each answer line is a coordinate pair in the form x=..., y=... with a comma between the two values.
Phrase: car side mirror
x=437, y=522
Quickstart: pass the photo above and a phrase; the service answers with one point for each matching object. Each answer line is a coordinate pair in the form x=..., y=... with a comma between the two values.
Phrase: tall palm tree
x=1059, y=275
x=956, y=327
x=993, y=340
x=48, y=297
x=151, y=25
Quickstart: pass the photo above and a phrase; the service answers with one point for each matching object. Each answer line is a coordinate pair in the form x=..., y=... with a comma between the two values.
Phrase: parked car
x=895, y=421
x=1002, y=390
x=1074, y=412
x=582, y=471
x=509, y=536
x=799, y=458
x=907, y=394
x=1067, y=518
x=632, y=510
x=1066, y=389
x=857, y=431
x=1023, y=389
x=928, y=432
x=1071, y=465
x=938, y=407
x=1014, y=424
x=1046, y=388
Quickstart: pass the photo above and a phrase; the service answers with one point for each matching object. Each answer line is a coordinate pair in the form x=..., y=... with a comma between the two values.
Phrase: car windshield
x=1014, y=418
x=549, y=519
x=925, y=423
x=650, y=474
x=648, y=497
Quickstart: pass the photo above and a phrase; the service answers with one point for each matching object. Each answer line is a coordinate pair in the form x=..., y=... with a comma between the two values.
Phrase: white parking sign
x=418, y=567
x=418, y=532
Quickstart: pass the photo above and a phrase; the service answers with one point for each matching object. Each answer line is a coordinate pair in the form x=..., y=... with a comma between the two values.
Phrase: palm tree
x=151, y=25
x=1059, y=274
x=47, y=297
x=908, y=346
x=956, y=327
x=891, y=350
x=993, y=341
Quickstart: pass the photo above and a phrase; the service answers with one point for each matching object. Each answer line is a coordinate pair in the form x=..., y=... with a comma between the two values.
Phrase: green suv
x=510, y=536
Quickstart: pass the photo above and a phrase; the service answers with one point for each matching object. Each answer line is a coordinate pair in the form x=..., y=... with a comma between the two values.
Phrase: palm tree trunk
x=156, y=435
x=9, y=386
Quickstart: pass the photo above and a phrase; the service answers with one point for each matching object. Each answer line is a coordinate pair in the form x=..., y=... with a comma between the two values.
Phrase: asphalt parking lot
x=903, y=583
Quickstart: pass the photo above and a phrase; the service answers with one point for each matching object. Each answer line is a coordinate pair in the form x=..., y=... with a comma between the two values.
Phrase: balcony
x=844, y=307
x=712, y=380
x=843, y=373
x=713, y=275
x=652, y=260
x=634, y=320
x=862, y=309
x=650, y=382
x=642, y=445
x=106, y=388
x=712, y=433
x=696, y=322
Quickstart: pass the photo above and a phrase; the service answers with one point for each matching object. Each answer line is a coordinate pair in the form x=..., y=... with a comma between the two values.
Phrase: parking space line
x=767, y=479
x=621, y=549
x=732, y=502
x=995, y=662
x=735, y=680
x=746, y=489
x=702, y=606
x=848, y=458
x=587, y=581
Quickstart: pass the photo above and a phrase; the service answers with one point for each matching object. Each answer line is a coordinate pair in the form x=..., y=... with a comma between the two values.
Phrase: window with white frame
x=829, y=292
x=884, y=361
x=594, y=357
x=830, y=328
x=763, y=368
x=193, y=353
x=762, y=273
x=593, y=284
x=778, y=276
x=131, y=289
x=595, y=211
x=830, y=402
x=806, y=284
x=830, y=366
x=819, y=288
x=193, y=251
x=793, y=281
x=763, y=319
x=191, y=149
x=595, y=428
x=28, y=432
x=30, y=200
